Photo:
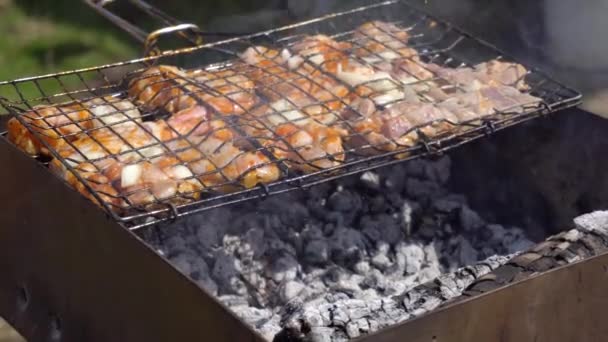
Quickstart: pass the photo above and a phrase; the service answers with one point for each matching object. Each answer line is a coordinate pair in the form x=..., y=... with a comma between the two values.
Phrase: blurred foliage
x=39, y=37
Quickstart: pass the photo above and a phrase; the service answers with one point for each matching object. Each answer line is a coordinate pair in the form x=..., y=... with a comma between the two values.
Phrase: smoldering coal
x=331, y=256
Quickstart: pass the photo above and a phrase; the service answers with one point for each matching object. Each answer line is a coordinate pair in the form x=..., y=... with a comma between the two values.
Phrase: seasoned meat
x=155, y=161
x=228, y=91
x=57, y=125
x=381, y=41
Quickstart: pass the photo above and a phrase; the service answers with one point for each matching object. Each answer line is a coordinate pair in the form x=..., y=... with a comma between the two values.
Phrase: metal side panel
x=568, y=304
x=68, y=273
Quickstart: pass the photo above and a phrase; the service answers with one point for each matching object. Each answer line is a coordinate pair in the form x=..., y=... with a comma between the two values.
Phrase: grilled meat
x=298, y=125
x=147, y=163
x=372, y=94
x=57, y=125
x=227, y=92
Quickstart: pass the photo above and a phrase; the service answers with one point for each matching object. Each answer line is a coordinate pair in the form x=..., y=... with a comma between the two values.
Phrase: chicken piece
x=234, y=165
x=379, y=86
x=320, y=51
x=162, y=161
x=499, y=73
x=100, y=184
x=265, y=57
x=374, y=129
x=51, y=124
x=378, y=41
x=275, y=80
x=304, y=89
x=161, y=87
x=305, y=144
x=493, y=73
x=307, y=141
x=467, y=107
x=112, y=112
x=60, y=124
x=474, y=105
x=227, y=92
x=300, y=126
x=506, y=99
x=310, y=147
x=410, y=70
x=370, y=137
x=194, y=165
x=141, y=141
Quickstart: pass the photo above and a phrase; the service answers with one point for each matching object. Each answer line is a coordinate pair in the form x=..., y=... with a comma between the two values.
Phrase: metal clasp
x=150, y=44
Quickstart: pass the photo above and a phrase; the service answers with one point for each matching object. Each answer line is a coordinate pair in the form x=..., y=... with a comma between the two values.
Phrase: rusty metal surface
x=562, y=305
x=70, y=274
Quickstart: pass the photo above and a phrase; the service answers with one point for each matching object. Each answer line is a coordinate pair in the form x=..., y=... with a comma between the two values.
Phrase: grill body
x=70, y=273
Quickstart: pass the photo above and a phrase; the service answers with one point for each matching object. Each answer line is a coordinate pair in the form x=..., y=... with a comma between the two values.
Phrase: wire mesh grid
x=268, y=113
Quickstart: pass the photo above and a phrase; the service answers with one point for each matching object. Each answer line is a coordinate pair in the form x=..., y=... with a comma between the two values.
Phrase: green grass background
x=40, y=37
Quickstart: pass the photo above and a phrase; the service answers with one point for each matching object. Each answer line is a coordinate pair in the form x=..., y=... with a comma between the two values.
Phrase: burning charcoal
x=382, y=227
x=317, y=252
x=362, y=267
x=226, y=274
x=406, y=215
x=347, y=245
x=234, y=301
x=253, y=316
x=414, y=257
x=381, y=260
x=415, y=168
x=422, y=189
x=449, y=203
x=371, y=180
x=395, y=181
x=356, y=317
x=335, y=262
x=291, y=289
x=254, y=242
x=208, y=284
x=467, y=253
x=377, y=204
x=284, y=269
x=182, y=263
x=344, y=201
x=437, y=171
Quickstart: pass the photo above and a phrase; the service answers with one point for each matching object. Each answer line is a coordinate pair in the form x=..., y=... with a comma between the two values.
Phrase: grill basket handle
x=191, y=32
x=151, y=43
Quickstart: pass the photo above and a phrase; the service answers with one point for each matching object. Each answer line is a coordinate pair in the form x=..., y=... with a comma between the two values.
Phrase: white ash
x=595, y=221
x=356, y=244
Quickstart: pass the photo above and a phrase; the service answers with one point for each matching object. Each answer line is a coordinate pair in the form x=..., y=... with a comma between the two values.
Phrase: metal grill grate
x=163, y=142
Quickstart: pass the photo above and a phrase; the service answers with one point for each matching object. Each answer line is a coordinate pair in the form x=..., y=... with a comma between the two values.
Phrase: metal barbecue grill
x=436, y=42
x=77, y=269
